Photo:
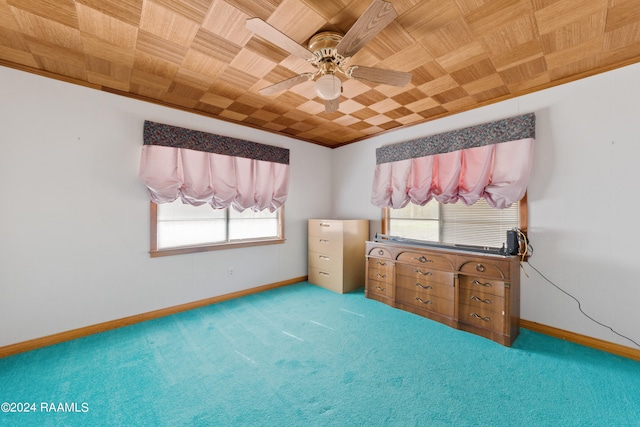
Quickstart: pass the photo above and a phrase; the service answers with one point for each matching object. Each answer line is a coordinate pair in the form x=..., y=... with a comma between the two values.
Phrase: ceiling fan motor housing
x=323, y=45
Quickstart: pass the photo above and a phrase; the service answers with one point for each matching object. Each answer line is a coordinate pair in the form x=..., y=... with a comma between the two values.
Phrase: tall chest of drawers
x=336, y=253
x=477, y=293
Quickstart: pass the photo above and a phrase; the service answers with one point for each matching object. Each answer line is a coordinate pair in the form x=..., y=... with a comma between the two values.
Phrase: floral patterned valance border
x=511, y=129
x=178, y=137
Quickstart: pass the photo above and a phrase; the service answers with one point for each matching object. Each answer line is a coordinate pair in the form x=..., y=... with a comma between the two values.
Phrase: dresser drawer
x=382, y=266
x=379, y=252
x=326, y=245
x=430, y=260
x=325, y=228
x=384, y=274
x=485, y=268
x=482, y=318
x=417, y=298
x=480, y=284
x=425, y=289
x=422, y=273
x=381, y=289
x=482, y=300
x=326, y=279
x=328, y=263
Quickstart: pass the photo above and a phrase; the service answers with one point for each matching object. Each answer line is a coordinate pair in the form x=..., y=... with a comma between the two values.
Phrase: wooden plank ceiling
x=197, y=55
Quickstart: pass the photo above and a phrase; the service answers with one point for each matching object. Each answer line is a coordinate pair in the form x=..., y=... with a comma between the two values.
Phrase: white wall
x=583, y=198
x=74, y=219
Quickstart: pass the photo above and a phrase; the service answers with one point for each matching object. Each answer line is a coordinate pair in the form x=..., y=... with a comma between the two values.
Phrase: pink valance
x=200, y=177
x=495, y=166
x=498, y=173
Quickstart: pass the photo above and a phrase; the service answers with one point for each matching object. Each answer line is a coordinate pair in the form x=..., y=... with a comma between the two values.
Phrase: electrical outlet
x=230, y=271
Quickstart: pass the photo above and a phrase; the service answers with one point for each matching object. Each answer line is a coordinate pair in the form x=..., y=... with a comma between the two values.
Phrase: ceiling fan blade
x=379, y=75
x=281, y=40
x=286, y=84
x=378, y=15
x=331, y=105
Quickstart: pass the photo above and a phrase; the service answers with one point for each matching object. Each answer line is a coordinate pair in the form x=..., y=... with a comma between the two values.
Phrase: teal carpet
x=304, y=356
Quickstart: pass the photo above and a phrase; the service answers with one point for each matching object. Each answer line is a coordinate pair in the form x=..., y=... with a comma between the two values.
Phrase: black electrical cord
x=580, y=306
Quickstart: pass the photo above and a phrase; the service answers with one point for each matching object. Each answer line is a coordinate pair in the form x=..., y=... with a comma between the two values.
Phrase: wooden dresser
x=474, y=292
x=336, y=253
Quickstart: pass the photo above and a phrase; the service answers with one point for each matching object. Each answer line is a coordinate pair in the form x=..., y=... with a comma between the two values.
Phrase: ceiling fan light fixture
x=328, y=87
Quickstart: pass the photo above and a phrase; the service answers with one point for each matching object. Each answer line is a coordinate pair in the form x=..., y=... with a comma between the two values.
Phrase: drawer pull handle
x=324, y=241
x=486, y=285
x=423, y=259
x=381, y=263
x=480, y=268
x=380, y=252
x=477, y=316
x=420, y=285
x=383, y=276
x=325, y=258
x=423, y=301
x=324, y=224
x=323, y=273
x=381, y=289
x=486, y=301
x=422, y=273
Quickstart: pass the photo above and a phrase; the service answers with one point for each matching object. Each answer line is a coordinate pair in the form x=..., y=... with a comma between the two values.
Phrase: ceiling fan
x=329, y=52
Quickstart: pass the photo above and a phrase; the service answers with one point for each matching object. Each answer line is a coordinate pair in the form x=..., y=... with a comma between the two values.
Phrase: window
x=477, y=225
x=177, y=228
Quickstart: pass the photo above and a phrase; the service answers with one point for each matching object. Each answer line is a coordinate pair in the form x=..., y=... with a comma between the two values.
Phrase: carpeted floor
x=304, y=356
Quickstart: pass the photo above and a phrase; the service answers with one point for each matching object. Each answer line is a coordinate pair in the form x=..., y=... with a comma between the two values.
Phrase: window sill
x=206, y=248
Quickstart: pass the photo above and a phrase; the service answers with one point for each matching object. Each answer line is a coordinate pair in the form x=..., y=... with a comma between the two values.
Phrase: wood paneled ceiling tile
x=128, y=11
x=255, y=8
x=565, y=12
x=60, y=11
x=576, y=33
x=450, y=37
x=518, y=32
x=227, y=22
x=523, y=72
x=327, y=8
x=252, y=63
x=99, y=48
x=213, y=98
x=297, y=21
x=48, y=30
x=622, y=44
x=450, y=95
x=193, y=79
x=622, y=13
x=488, y=83
x=588, y=49
x=167, y=24
x=194, y=10
x=215, y=46
x=462, y=57
x=407, y=59
x=152, y=65
x=473, y=72
x=496, y=14
x=107, y=28
x=42, y=49
x=390, y=41
x=439, y=85
x=163, y=49
x=349, y=106
x=428, y=16
x=203, y=64
x=63, y=64
x=519, y=55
